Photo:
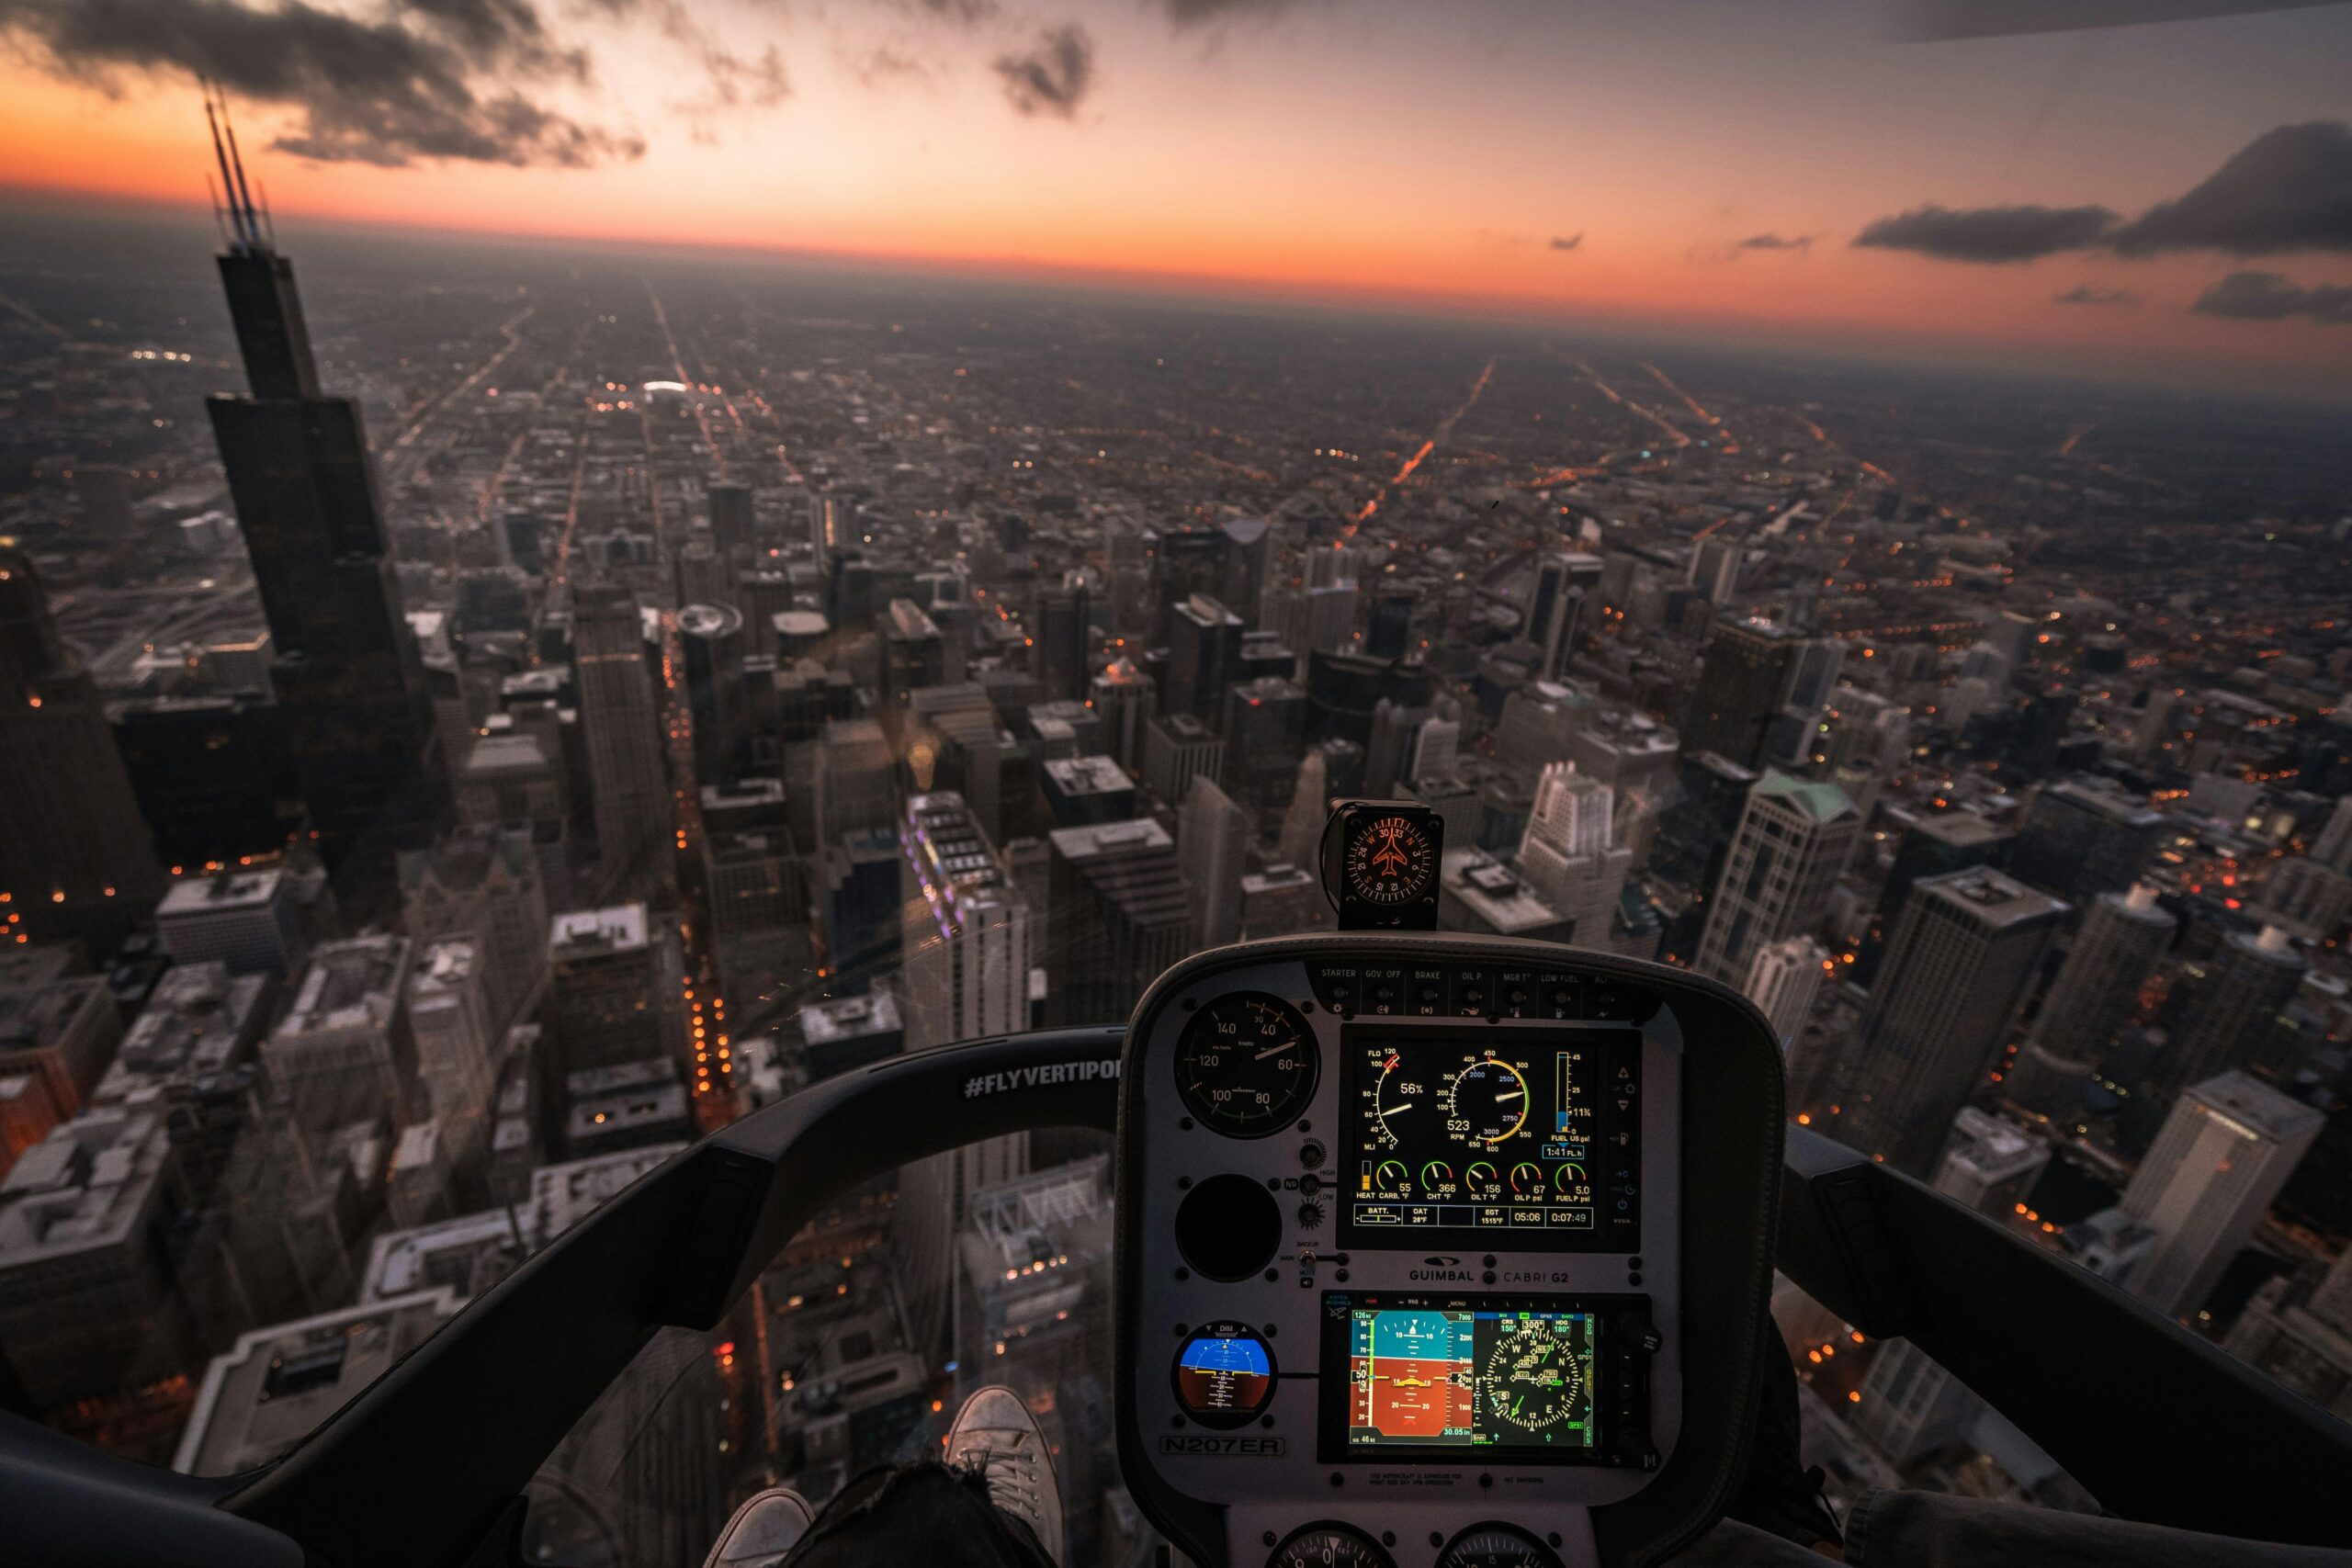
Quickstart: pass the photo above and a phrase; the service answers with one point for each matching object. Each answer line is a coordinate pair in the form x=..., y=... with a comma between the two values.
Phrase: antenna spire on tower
x=245, y=218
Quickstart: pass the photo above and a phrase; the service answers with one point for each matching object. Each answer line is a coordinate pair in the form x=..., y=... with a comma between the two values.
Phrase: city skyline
x=1818, y=177
x=497, y=716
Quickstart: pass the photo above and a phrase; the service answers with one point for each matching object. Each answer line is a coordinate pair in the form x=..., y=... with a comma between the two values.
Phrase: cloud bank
x=434, y=79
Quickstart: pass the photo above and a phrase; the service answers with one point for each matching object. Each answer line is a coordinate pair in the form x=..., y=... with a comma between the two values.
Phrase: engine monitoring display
x=1531, y=1141
x=1512, y=1384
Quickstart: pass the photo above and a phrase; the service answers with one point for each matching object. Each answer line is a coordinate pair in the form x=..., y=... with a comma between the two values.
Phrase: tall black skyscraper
x=75, y=856
x=1742, y=682
x=1063, y=612
x=304, y=484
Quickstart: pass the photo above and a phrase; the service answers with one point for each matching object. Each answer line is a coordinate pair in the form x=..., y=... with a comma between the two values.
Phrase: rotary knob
x=1310, y=1214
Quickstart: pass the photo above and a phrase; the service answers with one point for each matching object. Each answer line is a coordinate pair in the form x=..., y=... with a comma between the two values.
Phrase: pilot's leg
x=995, y=1503
x=1779, y=1496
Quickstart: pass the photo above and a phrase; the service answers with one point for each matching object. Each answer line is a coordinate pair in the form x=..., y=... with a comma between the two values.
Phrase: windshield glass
x=633, y=560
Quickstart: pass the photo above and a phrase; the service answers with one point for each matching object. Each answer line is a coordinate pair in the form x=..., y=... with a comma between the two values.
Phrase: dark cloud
x=1052, y=78
x=885, y=66
x=1939, y=19
x=2094, y=294
x=1570, y=243
x=1203, y=13
x=438, y=79
x=1774, y=242
x=732, y=82
x=1988, y=233
x=503, y=30
x=2288, y=189
x=2269, y=296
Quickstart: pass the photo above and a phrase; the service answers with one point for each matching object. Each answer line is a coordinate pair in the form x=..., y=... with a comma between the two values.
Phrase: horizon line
x=1725, y=331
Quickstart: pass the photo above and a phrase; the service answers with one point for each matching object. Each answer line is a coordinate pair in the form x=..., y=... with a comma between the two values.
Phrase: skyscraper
x=1783, y=982
x=1793, y=731
x=345, y=1052
x=1214, y=835
x=968, y=936
x=1742, y=680
x=730, y=518
x=2333, y=847
x=1178, y=749
x=2123, y=936
x=75, y=858
x=2308, y=898
x=969, y=940
x=1203, y=654
x=2229, y=1002
x=1123, y=697
x=1120, y=916
x=623, y=735
x=2226, y=1151
x=610, y=998
x=1554, y=605
x=481, y=886
x=1963, y=952
x=1064, y=611
x=711, y=637
x=1791, y=844
x=1714, y=570
x=303, y=481
x=1569, y=853
x=2081, y=840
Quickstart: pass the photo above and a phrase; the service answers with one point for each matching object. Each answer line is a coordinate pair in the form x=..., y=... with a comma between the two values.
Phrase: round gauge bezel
x=1379, y=892
x=1487, y=1377
x=1543, y=1555
x=1224, y=1328
x=1473, y=1139
x=1374, y=1555
x=1297, y=1099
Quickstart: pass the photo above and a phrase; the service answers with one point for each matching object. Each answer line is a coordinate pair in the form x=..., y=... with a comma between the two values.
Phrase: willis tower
x=346, y=669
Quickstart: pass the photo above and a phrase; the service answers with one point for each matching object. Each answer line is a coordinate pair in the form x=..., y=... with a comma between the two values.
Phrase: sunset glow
x=1712, y=167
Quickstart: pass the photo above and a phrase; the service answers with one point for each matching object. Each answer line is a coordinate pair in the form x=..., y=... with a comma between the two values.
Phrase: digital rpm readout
x=1246, y=1065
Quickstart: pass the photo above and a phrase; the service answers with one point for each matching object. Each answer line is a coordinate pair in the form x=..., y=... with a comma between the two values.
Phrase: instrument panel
x=1398, y=1220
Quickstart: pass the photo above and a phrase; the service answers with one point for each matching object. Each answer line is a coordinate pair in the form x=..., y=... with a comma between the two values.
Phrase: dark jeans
x=917, y=1514
x=926, y=1514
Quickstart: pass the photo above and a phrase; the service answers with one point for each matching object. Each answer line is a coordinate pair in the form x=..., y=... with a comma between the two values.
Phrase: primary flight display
x=1512, y=1384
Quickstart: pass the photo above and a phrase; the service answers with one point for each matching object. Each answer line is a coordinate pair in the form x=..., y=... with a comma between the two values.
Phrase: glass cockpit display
x=1509, y=1383
x=1531, y=1142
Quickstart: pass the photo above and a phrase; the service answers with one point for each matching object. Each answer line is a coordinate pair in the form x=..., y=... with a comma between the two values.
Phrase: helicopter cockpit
x=1431, y=1251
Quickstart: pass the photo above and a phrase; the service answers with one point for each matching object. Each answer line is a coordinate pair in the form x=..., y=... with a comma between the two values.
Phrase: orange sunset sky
x=1443, y=154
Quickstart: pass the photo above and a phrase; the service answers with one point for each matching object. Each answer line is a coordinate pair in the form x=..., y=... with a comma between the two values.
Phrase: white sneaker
x=995, y=1435
x=768, y=1525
